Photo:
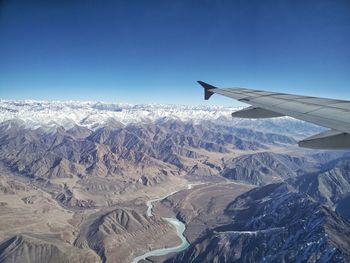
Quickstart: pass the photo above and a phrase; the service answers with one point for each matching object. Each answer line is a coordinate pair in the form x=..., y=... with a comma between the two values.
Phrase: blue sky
x=155, y=51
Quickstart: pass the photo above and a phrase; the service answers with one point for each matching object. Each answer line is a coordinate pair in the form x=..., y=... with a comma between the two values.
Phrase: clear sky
x=155, y=51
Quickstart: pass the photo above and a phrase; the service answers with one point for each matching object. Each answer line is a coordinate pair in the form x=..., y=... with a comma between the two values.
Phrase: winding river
x=180, y=229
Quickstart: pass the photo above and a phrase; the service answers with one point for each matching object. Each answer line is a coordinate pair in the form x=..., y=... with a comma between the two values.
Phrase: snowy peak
x=95, y=114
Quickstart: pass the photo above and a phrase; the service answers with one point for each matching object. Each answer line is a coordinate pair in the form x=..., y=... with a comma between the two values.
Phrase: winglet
x=207, y=88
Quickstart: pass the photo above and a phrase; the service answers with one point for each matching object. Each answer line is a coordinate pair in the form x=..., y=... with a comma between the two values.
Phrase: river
x=180, y=229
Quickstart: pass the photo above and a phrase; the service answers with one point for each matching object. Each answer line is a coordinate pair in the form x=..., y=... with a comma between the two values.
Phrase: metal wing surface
x=330, y=113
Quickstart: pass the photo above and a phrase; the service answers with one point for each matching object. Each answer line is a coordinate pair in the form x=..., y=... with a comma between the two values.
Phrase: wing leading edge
x=329, y=113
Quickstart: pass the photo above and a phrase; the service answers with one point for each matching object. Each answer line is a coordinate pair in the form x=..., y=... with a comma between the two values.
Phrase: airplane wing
x=329, y=113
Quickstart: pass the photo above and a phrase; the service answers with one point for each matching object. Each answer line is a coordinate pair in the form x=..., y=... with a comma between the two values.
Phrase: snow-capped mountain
x=92, y=114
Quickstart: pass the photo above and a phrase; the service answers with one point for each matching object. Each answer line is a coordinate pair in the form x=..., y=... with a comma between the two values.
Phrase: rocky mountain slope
x=330, y=185
x=36, y=249
x=274, y=223
x=266, y=167
x=154, y=149
x=117, y=234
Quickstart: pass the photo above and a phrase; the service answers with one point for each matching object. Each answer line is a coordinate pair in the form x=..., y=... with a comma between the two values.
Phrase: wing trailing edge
x=327, y=140
x=255, y=113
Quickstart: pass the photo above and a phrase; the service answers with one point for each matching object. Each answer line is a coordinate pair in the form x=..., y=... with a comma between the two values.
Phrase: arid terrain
x=76, y=189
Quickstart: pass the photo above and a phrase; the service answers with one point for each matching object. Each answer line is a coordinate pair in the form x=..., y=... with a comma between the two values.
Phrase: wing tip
x=207, y=89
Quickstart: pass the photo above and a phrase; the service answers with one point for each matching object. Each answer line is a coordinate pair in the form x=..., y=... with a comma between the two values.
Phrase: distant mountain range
x=97, y=114
x=93, y=115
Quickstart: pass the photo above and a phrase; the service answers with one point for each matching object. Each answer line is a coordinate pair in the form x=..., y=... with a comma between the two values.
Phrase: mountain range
x=75, y=178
